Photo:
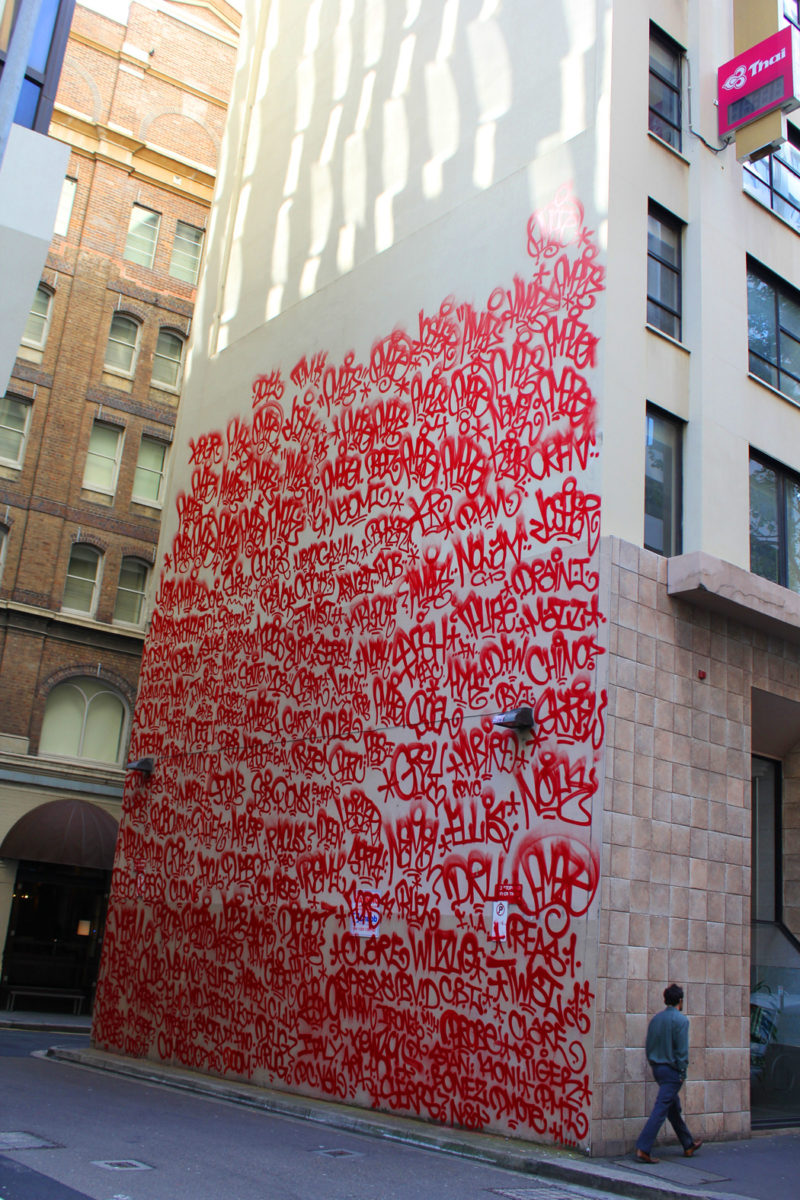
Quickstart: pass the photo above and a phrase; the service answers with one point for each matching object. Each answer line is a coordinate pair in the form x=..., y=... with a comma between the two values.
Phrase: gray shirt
x=668, y=1040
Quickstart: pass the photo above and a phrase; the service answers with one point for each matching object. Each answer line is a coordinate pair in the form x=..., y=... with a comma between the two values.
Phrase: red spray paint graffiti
x=380, y=557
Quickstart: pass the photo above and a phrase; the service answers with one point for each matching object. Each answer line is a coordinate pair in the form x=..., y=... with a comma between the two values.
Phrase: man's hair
x=673, y=995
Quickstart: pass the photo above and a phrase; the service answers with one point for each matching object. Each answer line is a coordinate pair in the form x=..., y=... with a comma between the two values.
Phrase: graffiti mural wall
x=345, y=876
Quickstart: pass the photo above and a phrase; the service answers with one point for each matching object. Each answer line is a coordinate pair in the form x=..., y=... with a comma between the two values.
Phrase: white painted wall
x=31, y=176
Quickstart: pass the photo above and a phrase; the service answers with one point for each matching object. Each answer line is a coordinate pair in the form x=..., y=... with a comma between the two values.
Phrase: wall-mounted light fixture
x=519, y=719
x=145, y=765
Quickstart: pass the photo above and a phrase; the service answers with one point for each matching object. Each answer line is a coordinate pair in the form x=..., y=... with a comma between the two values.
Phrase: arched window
x=83, y=718
x=37, y=326
x=168, y=360
x=82, y=584
x=123, y=344
x=129, y=607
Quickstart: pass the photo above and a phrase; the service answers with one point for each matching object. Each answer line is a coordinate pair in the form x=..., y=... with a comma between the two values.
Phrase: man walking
x=667, y=1050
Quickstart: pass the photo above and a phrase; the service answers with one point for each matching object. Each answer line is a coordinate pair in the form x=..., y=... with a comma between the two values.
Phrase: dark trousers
x=666, y=1108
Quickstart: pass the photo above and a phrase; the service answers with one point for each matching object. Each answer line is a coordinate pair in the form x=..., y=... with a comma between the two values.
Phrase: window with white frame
x=37, y=326
x=3, y=545
x=665, y=88
x=168, y=360
x=122, y=346
x=140, y=246
x=65, y=203
x=148, y=482
x=15, y=415
x=129, y=606
x=82, y=584
x=187, y=250
x=103, y=458
x=84, y=718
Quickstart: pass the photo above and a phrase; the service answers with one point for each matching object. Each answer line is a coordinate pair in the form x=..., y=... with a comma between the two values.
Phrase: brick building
x=85, y=432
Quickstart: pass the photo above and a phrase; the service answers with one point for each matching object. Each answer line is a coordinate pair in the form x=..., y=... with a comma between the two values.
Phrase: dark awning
x=72, y=832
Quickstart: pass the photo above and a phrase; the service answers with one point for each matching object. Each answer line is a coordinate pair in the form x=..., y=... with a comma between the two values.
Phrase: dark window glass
x=775, y=179
x=773, y=321
x=662, y=483
x=664, y=271
x=37, y=94
x=774, y=523
x=665, y=88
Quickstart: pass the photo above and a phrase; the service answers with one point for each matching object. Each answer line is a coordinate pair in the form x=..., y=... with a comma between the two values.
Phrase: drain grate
x=18, y=1140
x=339, y=1153
x=121, y=1164
x=542, y=1191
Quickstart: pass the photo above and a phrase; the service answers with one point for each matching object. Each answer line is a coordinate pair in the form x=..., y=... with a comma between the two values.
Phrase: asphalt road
x=109, y=1138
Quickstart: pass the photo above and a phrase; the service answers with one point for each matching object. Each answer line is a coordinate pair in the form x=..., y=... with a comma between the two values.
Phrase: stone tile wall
x=675, y=891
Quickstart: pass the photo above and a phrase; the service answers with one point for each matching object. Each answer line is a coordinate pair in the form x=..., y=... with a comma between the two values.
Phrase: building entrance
x=774, y=964
x=52, y=949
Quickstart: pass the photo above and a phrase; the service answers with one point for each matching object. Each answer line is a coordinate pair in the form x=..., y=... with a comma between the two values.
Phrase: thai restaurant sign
x=757, y=81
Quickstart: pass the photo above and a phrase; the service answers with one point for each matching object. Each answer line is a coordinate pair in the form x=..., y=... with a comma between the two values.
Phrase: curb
x=562, y=1166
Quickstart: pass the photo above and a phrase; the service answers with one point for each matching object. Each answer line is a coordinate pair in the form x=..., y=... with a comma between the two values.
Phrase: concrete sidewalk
x=763, y=1167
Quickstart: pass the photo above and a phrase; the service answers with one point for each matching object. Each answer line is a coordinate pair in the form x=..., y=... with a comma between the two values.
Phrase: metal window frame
x=783, y=475
x=652, y=410
x=671, y=222
x=751, y=171
x=669, y=44
x=778, y=287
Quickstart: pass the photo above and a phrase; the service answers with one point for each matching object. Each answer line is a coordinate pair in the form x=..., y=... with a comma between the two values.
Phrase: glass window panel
x=664, y=61
x=13, y=429
x=149, y=478
x=103, y=729
x=62, y=727
x=789, y=386
x=43, y=35
x=65, y=203
x=35, y=333
x=663, y=241
x=761, y=318
x=140, y=246
x=789, y=314
x=83, y=718
x=102, y=459
x=790, y=355
x=663, y=284
x=186, y=251
x=664, y=102
x=763, y=370
x=29, y=96
x=80, y=584
x=667, y=322
x=130, y=593
x=662, y=485
x=167, y=359
x=764, y=522
x=792, y=491
x=121, y=347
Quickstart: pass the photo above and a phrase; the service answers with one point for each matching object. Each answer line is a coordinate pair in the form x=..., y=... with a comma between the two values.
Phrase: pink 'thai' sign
x=756, y=82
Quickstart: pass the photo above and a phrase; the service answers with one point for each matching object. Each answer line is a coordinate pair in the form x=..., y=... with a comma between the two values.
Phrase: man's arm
x=680, y=1044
